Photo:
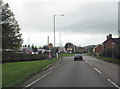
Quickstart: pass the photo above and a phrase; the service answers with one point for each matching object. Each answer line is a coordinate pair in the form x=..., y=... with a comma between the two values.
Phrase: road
x=90, y=72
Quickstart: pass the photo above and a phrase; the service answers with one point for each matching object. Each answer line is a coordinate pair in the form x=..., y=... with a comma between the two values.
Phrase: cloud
x=95, y=17
x=81, y=19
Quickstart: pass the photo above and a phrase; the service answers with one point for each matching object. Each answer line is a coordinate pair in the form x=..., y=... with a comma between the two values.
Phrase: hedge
x=16, y=57
x=108, y=53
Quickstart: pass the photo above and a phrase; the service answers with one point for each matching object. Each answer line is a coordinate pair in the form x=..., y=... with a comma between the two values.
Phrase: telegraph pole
x=54, y=36
x=54, y=32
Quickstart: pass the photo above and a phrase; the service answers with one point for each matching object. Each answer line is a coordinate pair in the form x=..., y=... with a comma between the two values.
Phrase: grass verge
x=13, y=74
x=108, y=59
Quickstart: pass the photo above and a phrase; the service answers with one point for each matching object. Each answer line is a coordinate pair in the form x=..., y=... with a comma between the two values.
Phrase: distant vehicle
x=78, y=57
x=9, y=50
x=41, y=51
x=30, y=52
x=36, y=52
x=25, y=50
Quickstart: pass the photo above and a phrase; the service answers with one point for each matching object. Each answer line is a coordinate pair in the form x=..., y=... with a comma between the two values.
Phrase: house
x=109, y=43
x=98, y=49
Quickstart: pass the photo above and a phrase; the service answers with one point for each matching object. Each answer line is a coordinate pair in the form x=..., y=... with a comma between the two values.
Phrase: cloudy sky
x=85, y=22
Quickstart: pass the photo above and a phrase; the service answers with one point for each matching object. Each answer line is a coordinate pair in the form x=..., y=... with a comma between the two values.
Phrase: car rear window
x=78, y=55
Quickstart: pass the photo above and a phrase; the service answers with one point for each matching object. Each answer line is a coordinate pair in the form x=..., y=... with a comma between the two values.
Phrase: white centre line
x=97, y=70
x=37, y=79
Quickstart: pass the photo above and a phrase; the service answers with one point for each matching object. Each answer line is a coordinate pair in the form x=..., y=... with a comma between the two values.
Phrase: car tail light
x=81, y=57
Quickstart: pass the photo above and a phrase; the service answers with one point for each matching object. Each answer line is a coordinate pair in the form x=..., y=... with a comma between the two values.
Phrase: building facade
x=109, y=43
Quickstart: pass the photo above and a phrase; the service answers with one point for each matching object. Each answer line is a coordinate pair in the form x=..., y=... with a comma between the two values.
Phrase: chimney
x=109, y=36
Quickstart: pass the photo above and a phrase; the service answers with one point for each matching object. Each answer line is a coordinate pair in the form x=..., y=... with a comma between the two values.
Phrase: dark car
x=78, y=57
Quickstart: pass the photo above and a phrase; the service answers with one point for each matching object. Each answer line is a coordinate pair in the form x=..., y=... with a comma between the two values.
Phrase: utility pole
x=48, y=41
x=60, y=38
x=119, y=33
x=54, y=36
x=54, y=32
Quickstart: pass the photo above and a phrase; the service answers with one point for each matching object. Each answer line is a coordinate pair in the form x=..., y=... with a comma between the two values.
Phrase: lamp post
x=54, y=32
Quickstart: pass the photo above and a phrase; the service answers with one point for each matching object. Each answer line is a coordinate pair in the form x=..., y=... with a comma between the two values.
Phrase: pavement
x=90, y=72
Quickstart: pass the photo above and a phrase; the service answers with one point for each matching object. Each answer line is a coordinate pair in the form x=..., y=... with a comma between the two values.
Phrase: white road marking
x=97, y=70
x=86, y=61
x=90, y=64
x=37, y=79
x=104, y=75
x=114, y=83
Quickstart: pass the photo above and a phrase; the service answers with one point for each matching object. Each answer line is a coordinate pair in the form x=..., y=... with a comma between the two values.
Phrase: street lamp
x=54, y=32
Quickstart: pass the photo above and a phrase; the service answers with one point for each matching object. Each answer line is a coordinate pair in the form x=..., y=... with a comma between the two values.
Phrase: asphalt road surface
x=90, y=72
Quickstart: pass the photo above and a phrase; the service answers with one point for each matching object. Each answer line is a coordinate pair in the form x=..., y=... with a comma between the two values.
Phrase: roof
x=116, y=40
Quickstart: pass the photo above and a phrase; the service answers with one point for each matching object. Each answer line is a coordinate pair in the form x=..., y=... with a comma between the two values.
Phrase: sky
x=85, y=22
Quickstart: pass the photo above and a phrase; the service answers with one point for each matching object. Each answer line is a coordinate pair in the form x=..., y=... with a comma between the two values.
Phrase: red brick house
x=109, y=43
x=98, y=49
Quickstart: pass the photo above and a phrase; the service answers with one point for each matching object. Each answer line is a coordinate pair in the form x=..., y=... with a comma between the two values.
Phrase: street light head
x=59, y=15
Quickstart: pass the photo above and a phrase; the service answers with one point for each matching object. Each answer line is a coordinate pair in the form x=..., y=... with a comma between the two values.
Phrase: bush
x=16, y=57
x=94, y=54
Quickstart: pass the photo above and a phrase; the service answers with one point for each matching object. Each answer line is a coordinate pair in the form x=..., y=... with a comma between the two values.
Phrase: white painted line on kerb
x=107, y=79
x=37, y=79
x=104, y=75
x=114, y=83
x=97, y=70
x=52, y=67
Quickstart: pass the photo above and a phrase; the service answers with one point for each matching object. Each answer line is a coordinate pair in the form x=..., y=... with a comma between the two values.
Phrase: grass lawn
x=65, y=54
x=15, y=73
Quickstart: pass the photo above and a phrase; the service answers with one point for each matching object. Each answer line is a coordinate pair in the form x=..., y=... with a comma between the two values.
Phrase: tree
x=32, y=46
x=25, y=45
x=29, y=46
x=11, y=36
x=56, y=49
x=40, y=47
x=35, y=49
x=68, y=45
x=81, y=50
